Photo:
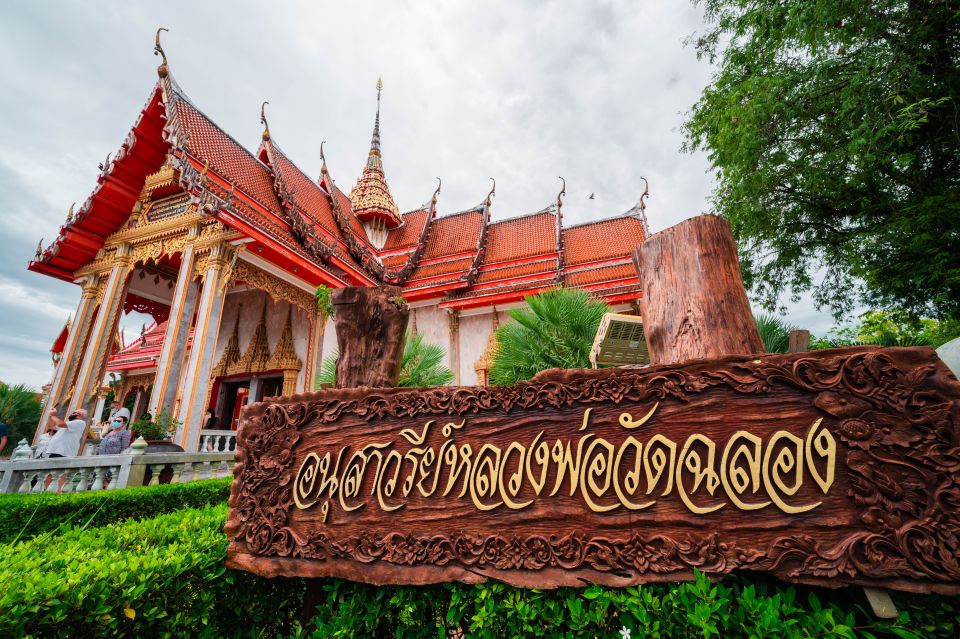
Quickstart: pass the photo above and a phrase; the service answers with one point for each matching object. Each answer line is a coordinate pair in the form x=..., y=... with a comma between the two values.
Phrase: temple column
x=98, y=409
x=454, y=317
x=90, y=373
x=72, y=352
x=216, y=275
x=314, y=352
x=138, y=405
x=177, y=333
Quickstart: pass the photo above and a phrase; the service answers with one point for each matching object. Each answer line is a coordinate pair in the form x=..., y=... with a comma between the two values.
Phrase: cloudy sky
x=520, y=91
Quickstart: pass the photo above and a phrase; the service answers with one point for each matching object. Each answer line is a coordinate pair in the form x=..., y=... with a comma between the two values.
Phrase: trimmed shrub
x=162, y=577
x=166, y=577
x=25, y=516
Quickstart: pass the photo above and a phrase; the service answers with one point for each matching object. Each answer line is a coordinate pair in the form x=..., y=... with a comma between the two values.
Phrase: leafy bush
x=20, y=411
x=163, y=577
x=166, y=577
x=774, y=332
x=556, y=331
x=163, y=426
x=25, y=516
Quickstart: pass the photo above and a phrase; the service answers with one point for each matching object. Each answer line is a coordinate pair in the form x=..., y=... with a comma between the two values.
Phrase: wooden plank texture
x=833, y=467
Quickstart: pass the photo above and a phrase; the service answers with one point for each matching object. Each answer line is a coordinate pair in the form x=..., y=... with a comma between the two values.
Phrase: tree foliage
x=20, y=410
x=556, y=331
x=895, y=327
x=422, y=365
x=834, y=129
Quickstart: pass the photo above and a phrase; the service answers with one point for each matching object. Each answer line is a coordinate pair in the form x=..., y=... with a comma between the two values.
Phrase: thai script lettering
x=746, y=471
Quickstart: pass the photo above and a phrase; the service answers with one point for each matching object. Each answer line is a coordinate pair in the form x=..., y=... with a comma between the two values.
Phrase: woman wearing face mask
x=118, y=439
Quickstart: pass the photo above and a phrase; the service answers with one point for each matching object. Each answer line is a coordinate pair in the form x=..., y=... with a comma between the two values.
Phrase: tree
x=834, y=129
x=556, y=331
x=20, y=410
x=421, y=365
x=895, y=327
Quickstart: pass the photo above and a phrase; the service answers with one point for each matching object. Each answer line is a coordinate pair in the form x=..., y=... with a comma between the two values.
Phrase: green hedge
x=161, y=577
x=165, y=577
x=25, y=516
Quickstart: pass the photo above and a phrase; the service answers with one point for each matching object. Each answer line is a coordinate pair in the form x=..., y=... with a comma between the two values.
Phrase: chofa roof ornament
x=163, y=70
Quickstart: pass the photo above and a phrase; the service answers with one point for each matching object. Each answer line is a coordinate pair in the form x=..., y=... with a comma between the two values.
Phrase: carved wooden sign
x=832, y=468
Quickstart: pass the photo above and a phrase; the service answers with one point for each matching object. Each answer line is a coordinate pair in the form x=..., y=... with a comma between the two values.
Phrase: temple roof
x=311, y=227
x=370, y=197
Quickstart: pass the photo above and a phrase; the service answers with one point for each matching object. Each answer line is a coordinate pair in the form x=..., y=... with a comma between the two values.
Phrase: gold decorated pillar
x=454, y=316
x=77, y=337
x=178, y=331
x=101, y=337
x=215, y=270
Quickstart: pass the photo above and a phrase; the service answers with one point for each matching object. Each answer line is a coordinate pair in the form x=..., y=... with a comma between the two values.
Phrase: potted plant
x=157, y=432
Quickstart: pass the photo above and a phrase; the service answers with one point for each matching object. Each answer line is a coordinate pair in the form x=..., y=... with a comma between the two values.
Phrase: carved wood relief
x=832, y=468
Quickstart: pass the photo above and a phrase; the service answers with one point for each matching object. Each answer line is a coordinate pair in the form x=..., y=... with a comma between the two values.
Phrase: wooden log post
x=799, y=341
x=694, y=305
x=370, y=324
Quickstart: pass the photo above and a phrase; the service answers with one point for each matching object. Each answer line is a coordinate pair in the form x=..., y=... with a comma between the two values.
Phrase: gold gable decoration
x=165, y=176
x=258, y=351
x=285, y=357
x=232, y=352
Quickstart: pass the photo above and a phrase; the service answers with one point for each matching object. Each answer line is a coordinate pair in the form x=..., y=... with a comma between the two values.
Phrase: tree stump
x=694, y=305
x=370, y=324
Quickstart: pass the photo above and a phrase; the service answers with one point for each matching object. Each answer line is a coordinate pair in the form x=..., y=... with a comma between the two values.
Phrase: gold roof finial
x=323, y=160
x=643, y=207
x=493, y=191
x=433, y=200
x=563, y=191
x=70, y=213
x=263, y=121
x=379, y=86
x=162, y=70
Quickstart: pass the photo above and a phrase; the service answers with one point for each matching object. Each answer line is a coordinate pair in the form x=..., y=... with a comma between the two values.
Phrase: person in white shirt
x=66, y=441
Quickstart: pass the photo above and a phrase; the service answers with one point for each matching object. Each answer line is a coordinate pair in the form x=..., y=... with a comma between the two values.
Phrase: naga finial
x=493, y=191
x=162, y=70
x=70, y=213
x=643, y=206
x=263, y=121
x=379, y=86
x=323, y=160
x=433, y=200
x=39, y=254
x=563, y=191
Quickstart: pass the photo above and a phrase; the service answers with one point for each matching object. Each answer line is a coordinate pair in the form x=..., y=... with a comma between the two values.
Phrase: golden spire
x=493, y=191
x=323, y=161
x=263, y=121
x=371, y=196
x=163, y=70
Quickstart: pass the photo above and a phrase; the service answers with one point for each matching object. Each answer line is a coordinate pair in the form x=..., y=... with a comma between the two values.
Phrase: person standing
x=3, y=437
x=118, y=439
x=66, y=440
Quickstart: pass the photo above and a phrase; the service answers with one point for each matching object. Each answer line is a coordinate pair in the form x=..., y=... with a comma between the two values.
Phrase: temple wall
x=474, y=332
x=249, y=304
x=433, y=324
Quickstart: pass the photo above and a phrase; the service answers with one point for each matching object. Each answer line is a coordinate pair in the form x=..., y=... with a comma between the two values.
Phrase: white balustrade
x=218, y=441
x=110, y=472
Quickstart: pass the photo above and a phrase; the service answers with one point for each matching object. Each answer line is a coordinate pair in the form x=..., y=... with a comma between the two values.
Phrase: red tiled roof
x=392, y=261
x=530, y=268
x=308, y=194
x=601, y=240
x=603, y=274
x=452, y=234
x=442, y=268
x=208, y=142
x=409, y=232
x=521, y=237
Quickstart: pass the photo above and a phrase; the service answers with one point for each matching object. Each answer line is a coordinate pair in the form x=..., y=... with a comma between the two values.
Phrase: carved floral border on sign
x=896, y=413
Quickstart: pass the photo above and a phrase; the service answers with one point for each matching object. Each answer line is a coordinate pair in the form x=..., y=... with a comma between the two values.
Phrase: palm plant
x=421, y=365
x=774, y=332
x=20, y=411
x=556, y=331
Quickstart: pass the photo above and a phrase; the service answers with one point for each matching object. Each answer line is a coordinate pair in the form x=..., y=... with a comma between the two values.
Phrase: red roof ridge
x=629, y=213
x=550, y=210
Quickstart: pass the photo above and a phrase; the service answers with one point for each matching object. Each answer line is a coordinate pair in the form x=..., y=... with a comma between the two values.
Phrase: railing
x=218, y=441
x=107, y=472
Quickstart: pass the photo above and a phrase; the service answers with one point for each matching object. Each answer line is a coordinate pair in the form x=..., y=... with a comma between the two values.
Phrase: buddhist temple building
x=225, y=248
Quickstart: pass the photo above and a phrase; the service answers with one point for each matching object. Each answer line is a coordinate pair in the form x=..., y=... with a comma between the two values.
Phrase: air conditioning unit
x=620, y=341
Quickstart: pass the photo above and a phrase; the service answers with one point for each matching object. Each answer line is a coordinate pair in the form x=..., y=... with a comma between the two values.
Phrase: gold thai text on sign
x=745, y=471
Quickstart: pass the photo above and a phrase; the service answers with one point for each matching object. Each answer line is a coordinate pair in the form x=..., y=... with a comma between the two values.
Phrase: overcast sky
x=520, y=91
